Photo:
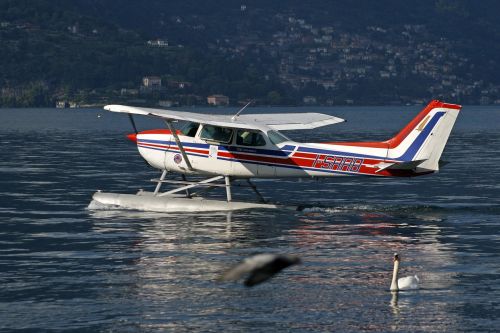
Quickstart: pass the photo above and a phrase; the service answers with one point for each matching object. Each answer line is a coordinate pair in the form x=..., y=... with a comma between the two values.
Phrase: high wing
x=277, y=121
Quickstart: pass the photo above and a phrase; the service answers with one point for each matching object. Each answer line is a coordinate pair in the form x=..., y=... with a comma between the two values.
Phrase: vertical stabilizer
x=425, y=137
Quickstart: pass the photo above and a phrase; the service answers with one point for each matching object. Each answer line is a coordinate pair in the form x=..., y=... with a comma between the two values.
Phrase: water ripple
x=66, y=267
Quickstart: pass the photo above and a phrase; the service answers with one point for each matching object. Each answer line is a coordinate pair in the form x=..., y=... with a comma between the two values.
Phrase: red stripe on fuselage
x=321, y=157
x=153, y=145
x=166, y=147
x=307, y=155
x=368, y=166
x=265, y=159
x=158, y=131
x=190, y=150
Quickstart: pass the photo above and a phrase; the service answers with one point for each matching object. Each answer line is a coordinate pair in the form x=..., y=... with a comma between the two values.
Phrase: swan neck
x=394, y=283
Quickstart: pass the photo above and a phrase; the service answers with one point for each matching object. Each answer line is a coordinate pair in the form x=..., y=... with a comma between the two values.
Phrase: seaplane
x=224, y=150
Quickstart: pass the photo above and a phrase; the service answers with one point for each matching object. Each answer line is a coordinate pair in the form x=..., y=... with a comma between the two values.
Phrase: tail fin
x=425, y=137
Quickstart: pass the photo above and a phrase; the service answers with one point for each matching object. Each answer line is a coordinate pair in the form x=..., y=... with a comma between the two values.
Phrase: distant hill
x=283, y=52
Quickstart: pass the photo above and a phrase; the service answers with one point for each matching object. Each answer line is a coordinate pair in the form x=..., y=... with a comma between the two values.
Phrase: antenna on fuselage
x=233, y=118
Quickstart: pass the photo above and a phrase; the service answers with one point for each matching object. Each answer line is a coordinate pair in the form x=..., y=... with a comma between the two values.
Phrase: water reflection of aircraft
x=245, y=146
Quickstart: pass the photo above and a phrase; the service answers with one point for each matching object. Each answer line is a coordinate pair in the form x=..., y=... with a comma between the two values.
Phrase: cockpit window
x=249, y=138
x=276, y=138
x=190, y=129
x=216, y=133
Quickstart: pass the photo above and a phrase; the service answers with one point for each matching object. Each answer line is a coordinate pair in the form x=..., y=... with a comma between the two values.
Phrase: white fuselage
x=288, y=159
x=265, y=153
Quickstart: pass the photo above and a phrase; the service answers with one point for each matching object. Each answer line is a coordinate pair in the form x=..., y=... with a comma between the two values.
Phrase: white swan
x=405, y=283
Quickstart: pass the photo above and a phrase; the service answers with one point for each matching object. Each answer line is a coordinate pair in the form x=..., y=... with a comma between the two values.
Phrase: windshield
x=276, y=138
x=216, y=133
x=190, y=129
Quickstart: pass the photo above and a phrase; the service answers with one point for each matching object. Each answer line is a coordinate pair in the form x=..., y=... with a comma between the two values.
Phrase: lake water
x=64, y=267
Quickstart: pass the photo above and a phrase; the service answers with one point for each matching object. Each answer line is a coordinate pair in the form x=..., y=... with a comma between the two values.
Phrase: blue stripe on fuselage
x=335, y=153
x=283, y=152
x=288, y=166
x=410, y=153
x=186, y=144
x=166, y=150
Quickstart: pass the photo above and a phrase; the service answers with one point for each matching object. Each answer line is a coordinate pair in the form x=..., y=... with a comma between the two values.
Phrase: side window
x=216, y=133
x=276, y=137
x=190, y=129
x=249, y=138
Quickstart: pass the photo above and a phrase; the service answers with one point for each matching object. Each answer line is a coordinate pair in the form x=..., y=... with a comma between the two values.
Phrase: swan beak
x=396, y=257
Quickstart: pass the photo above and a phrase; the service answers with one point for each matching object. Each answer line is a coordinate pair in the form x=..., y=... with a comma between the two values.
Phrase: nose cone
x=132, y=137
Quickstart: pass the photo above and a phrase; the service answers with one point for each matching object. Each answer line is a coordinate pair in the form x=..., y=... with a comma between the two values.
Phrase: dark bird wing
x=259, y=268
x=246, y=266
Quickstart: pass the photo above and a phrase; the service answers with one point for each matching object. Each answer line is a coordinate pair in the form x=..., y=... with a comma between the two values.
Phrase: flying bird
x=259, y=268
x=405, y=283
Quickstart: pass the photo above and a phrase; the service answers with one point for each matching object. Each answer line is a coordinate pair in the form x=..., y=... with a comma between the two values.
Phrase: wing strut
x=132, y=122
x=179, y=144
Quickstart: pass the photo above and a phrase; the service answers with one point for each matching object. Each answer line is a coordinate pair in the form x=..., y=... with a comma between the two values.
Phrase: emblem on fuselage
x=177, y=158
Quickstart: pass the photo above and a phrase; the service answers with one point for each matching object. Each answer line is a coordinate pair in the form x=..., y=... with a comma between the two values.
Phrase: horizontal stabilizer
x=399, y=165
x=443, y=163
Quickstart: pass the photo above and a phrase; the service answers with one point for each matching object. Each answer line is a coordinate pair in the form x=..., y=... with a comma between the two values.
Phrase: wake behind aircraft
x=245, y=146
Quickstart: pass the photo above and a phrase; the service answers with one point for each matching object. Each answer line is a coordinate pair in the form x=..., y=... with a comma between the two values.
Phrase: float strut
x=203, y=182
x=158, y=186
x=254, y=188
x=228, y=188
x=188, y=194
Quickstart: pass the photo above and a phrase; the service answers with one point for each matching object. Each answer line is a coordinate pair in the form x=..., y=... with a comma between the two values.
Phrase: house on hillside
x=218, y=100
x=62, y=104
x=151, y=83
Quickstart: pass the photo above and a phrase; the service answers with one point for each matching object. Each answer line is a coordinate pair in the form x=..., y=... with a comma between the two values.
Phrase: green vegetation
x=87, y=51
